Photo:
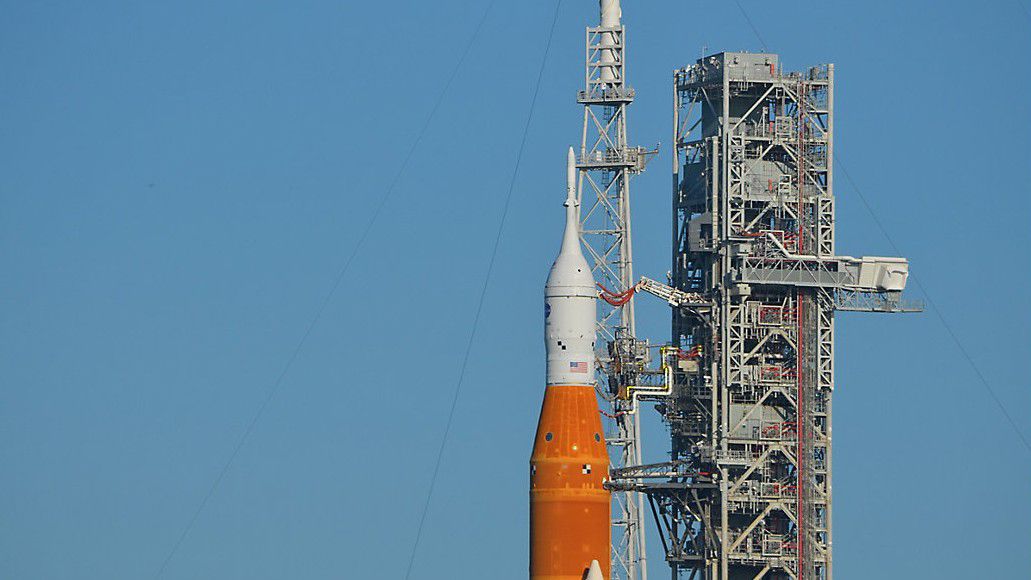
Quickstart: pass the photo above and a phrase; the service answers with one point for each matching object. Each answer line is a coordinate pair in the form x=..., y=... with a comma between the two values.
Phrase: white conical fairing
x=594, y=572
x=569, y=301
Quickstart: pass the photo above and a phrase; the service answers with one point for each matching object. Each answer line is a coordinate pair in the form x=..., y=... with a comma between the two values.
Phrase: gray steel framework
x=605, y=163
x=747, y=493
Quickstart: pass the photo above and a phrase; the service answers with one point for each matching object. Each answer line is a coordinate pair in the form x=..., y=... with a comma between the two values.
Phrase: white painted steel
x=611, y=13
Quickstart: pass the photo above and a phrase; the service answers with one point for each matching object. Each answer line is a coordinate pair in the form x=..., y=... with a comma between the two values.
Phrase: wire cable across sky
x=337, y=280
x=483, y=295
x=937, y=312
x=930, y=302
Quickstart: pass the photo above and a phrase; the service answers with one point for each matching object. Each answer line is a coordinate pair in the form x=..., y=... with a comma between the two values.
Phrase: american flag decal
x=578, y=367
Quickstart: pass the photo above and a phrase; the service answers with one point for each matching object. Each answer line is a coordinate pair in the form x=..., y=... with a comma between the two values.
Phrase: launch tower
x=605, y=164
x=755, y=283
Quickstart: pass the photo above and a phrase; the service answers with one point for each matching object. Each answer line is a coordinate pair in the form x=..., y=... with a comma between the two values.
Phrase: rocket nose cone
x=594, y=572
x=570, y=268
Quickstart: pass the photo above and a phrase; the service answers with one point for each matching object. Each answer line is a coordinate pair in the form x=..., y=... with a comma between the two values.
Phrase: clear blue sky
x=180, y=182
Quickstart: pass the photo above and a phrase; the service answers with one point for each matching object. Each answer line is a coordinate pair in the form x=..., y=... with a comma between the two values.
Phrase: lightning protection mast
x=605, y=164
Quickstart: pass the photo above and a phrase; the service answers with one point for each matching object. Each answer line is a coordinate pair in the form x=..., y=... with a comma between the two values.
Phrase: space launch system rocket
x=569, y=505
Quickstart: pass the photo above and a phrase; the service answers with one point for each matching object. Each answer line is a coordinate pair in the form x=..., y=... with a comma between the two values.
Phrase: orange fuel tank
x=569, y=507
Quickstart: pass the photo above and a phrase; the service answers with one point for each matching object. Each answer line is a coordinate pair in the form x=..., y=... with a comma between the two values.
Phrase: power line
x=1023, y=8
x=935, y=309
x=927, y=296
x=483, y=294
x=751, y=24
x=341, y=273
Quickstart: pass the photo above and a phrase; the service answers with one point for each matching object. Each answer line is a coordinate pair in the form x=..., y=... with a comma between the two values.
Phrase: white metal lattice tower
x=746, y=384
x=605, y=163
x=747, y=493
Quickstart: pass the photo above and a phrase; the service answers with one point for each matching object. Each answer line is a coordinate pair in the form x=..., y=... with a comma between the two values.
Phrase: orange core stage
x=569, y=507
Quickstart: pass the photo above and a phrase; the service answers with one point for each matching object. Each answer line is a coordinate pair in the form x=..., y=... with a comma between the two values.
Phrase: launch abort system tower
x=747, y=493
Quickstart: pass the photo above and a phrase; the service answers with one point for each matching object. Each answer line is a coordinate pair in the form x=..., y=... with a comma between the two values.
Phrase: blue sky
x=180, y=183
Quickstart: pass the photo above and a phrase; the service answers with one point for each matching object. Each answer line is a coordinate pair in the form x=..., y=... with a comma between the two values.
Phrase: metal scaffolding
x=755, y=284
x=605, y=163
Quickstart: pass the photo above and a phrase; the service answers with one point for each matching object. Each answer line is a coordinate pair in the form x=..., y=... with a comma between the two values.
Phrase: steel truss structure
x=747, y=493
x=605, y=163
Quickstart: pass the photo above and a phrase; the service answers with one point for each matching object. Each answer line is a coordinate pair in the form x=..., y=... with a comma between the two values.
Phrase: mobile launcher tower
x=745, y=384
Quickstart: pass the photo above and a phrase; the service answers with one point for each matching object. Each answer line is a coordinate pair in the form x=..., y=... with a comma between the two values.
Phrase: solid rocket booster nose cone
x=594, y=573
